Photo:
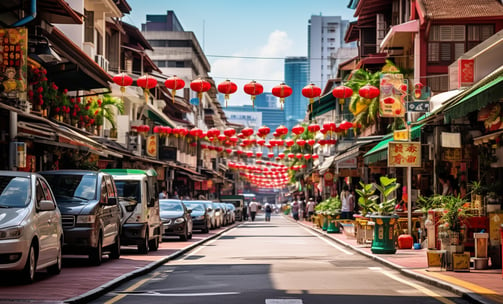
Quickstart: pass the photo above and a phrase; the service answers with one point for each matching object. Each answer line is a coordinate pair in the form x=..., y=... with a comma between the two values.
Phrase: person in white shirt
x=310, y=207
x=253, y=206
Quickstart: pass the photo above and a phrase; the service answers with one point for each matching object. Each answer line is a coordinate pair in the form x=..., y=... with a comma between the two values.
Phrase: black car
x=200, y=215
x=90, y=212
x=176, y=219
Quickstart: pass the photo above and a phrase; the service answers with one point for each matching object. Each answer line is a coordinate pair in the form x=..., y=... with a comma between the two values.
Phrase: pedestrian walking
x=295, y=209
x=253, y=210
x=310, y=208
x=268, y=211
x=345, y=203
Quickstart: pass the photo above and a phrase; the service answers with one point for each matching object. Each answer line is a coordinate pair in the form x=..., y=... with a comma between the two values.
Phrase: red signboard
x=466, y=71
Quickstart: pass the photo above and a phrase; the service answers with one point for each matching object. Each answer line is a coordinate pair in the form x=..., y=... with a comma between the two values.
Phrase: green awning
x=158, y=116
x=476, y=100
x=380, y=151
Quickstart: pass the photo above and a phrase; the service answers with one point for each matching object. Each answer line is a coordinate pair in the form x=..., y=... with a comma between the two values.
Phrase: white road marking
x=283, y=301
x=418, y=287
x=331, y=243
x=201, y=294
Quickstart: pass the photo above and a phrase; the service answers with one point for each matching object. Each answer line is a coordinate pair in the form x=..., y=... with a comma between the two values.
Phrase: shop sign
x=452, y=154
x=404, y=154
x=347, y=163
x=167, y=153
x=466, y=72
x=393, y=92
x=401, y=135
x=418, y=106
x=315, y=177
x=152, y=146
x=13, y=63
x=328, y=177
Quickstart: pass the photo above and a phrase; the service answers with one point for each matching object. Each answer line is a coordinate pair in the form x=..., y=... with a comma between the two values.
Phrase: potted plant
x=384, y=217
x=328, y=210
x=366, y=202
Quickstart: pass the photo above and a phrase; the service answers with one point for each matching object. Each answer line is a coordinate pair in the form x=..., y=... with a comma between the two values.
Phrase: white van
x=139, y=197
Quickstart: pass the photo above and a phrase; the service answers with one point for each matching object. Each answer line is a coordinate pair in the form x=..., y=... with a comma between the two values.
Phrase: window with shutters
x=476, y=33
x=88, y=26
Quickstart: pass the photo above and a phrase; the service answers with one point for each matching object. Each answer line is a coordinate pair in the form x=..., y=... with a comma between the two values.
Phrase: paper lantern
x=342, y=92
x=313, y=128
x=253, y=88
x=247, y=132
x=229, y=132
x=281, y=130
x=174, y=83
x=196, y=132
x=301, y=142
x=200, y=86
x=227, y=87
x=368, y=91
x=311, y=91
x=263, y=131
x=298, y=129
x=123, y=80
x=146, y=82
x=282, y=91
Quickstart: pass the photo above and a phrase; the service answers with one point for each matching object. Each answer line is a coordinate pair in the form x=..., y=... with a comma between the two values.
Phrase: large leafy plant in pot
x=384, y=217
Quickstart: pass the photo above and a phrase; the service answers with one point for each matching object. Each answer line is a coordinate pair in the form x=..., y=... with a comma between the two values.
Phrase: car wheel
x=56, y=268
x=184, y=236
x=143, y=247
x=28, y=272
x=115, y=251
x=153, y=244
x=96, y=255
x=207, y=229
x=189, y=237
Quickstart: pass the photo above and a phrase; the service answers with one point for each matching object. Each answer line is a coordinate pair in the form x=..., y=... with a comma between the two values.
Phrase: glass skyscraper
x=297, y=77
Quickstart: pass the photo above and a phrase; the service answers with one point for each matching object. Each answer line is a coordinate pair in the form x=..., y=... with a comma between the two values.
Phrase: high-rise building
x=296, y=76
x=325, y=38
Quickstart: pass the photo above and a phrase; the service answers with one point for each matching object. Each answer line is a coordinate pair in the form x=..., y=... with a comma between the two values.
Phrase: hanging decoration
x=227, y=87
x=123, y=80
x=146, y=82
x=174, y=83
x=342, y=92
x=263, y=131
x=253, y=88
x=368, y=91
x=229, y=132
x=311, y=91
x=282, y=91
x=200, y=86
x=298, y=129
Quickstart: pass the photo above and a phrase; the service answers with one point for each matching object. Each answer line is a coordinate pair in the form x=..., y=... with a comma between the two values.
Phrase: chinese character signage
x=393, y=94
x=13, y=64
x=401, y=135
x=329, y=178
x=152, y=145
x=404, y=154
x=465, y=72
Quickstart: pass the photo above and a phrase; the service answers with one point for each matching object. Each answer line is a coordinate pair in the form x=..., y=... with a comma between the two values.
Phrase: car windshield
x=72, y=185
x=128, y=189
x=14, y=191
x=170, y=206
x=195, y=206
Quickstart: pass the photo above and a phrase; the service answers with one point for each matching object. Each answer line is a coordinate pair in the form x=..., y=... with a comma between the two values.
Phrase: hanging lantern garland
x=282, y=91
x=146, y=82
x=174, y=83
x=253, y=88
x=227, y=87
x=311, y=91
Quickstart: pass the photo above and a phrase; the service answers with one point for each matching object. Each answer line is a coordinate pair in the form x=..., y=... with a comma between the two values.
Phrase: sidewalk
x=480, y=286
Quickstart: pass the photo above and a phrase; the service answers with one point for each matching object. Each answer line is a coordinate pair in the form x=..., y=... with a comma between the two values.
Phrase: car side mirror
x=46, y=205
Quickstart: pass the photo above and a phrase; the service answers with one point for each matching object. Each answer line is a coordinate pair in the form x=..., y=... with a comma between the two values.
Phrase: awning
x=158, y=116
x=476, y=100
x=380, y=151
x=326, y=164
x=355, y=149
x=400, y=35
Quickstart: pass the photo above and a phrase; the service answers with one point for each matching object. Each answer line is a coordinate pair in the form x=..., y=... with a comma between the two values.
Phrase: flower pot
x=384, y=234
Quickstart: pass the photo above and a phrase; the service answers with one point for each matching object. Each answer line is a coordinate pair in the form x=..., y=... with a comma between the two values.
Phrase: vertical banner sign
x=152, y=145
x=13, y=65
x=465, y=72
x=393, y=94
x=404, y=154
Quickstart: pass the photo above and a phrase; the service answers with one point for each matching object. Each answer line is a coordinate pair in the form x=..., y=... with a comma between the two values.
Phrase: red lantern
x=301, y=142
x=146, y=82
x=345, y=125
x=307, y=156
x=311, y=142
x=342, y=92
x=261, y=142
x=315, y=156
x=174, y=83
x=229, y=132
x=263, y=131
x=311, y=91
x=368, y=91
x=200, y=86
x=298, y=129
x=281, y=155
x=259, y=154
x=247, y=132
x=270, y=155
x=282, y=91
x=227, y=87
x=196, y=132
x=281, y=130
x=253, y=88
x=123, y=80
x=299, y=155
x=289, y=142
x=313, y=128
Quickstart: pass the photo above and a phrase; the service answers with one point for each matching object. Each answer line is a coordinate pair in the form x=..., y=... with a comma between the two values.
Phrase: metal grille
x=68, y=221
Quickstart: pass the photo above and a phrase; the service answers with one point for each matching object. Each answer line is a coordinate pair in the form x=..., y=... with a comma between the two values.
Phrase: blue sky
x=237, y=36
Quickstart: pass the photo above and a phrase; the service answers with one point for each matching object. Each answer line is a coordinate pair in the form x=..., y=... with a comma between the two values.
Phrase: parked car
x=176, y=219
x=31, y=235
x=139, y=197
x=90, y=212
x=219, y=214
x=238, y=201
x=232, y=212
x=200, y=215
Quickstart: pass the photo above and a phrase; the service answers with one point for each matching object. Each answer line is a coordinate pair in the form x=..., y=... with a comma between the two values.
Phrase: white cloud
x=266, y=66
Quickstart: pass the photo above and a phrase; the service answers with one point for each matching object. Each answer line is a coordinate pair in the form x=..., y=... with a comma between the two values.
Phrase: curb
x=460, y=291
x=110, y=285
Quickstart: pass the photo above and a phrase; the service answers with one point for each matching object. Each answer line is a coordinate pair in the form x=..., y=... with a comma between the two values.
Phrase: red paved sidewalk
x=482, y=286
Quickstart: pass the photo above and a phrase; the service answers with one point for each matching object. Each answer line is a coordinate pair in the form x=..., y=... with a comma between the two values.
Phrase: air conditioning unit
x=102, y=62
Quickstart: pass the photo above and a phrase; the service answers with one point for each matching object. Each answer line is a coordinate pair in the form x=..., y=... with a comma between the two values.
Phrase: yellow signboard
x=404, y=154
x=401, y=135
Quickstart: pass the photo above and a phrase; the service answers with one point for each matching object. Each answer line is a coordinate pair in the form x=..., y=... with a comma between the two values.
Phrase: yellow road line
x=130, y=289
